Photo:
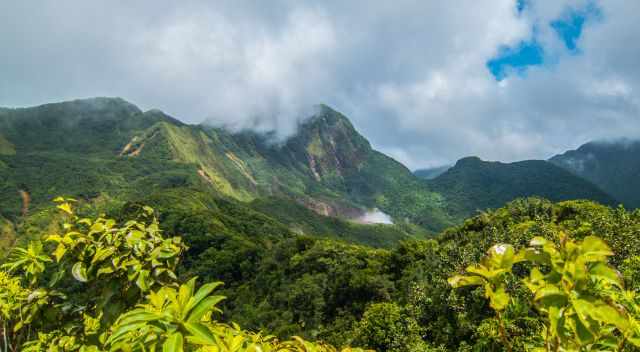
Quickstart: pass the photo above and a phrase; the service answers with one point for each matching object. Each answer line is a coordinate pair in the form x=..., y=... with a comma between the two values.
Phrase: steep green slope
x=613, y=166
x=473, y=184
x=324, y=288
x=105, y=152
x=107, y=147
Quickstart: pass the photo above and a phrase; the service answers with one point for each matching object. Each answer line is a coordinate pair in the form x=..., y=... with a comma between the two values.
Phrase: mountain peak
x=89, y=105
x=324, y=115
x=469, y=160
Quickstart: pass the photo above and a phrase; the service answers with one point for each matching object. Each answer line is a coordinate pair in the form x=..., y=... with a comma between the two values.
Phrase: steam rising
x=375, y=216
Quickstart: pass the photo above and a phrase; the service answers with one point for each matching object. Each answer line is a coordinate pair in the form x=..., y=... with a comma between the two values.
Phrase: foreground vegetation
x=113, y=287
x=558, y=276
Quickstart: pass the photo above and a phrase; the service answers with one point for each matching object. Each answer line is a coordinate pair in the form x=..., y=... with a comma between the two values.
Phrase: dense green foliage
x=339, y=283
x=105, y=286
x=473, y=185
x=249, y=211
x=580, y=299
x=388, y=299
x=612, y=165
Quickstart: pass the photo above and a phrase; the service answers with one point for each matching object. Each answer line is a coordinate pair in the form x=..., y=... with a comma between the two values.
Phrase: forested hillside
x=106, y=149
x=283, y=225
x=396, y=299
x=612, y=165
x=473, y=185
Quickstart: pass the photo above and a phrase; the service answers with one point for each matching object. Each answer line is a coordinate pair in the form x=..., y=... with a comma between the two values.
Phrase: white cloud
x=411, y=74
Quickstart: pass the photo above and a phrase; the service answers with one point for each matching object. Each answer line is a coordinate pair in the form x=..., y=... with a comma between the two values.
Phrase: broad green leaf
x=185, y=293
x=102, y=254
x=583, y=334
x=138, y=315
x=79, y=272
x=499, y=299
x=536, y=255
x=551, y=295
x=201, y=335
x=61, y=249
x=205, y=306
x=104, y=270
x=485, y=272
x=594, y=249
x=66, y=207
x=143, y=280
x=538, y=241
x=174, y=343
x=201, y=294
x=609, y=315
x=461, y=281
x=607, y=274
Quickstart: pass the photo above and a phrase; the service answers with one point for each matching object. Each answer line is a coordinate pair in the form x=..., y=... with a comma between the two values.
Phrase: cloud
x=412, y=75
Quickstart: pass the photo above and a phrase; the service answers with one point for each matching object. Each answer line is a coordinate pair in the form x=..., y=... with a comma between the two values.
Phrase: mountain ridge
x=108, y=148
x=613, y=165
x=327, y=165
x=476, y=184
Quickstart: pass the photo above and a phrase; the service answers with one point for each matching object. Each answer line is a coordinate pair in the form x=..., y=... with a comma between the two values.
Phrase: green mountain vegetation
x=108, y=151
x=396, y=299
x=280, y=223
x=473, y=184
x=612, y=165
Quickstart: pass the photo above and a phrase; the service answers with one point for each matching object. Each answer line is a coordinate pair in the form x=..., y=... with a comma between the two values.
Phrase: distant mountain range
x=107, y=151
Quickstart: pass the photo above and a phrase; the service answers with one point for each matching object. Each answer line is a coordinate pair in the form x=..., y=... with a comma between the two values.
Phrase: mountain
x=614, y=166
x=473, y=184
x=431, y=173
x=107, y=151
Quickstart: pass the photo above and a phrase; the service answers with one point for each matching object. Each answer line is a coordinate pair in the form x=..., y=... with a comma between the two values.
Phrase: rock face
x=613, y=165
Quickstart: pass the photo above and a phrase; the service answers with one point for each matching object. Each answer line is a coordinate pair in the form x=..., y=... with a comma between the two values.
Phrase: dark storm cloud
x=410, y=74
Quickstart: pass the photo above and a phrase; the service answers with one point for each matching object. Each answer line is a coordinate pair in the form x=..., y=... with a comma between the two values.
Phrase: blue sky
x=568, y=27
